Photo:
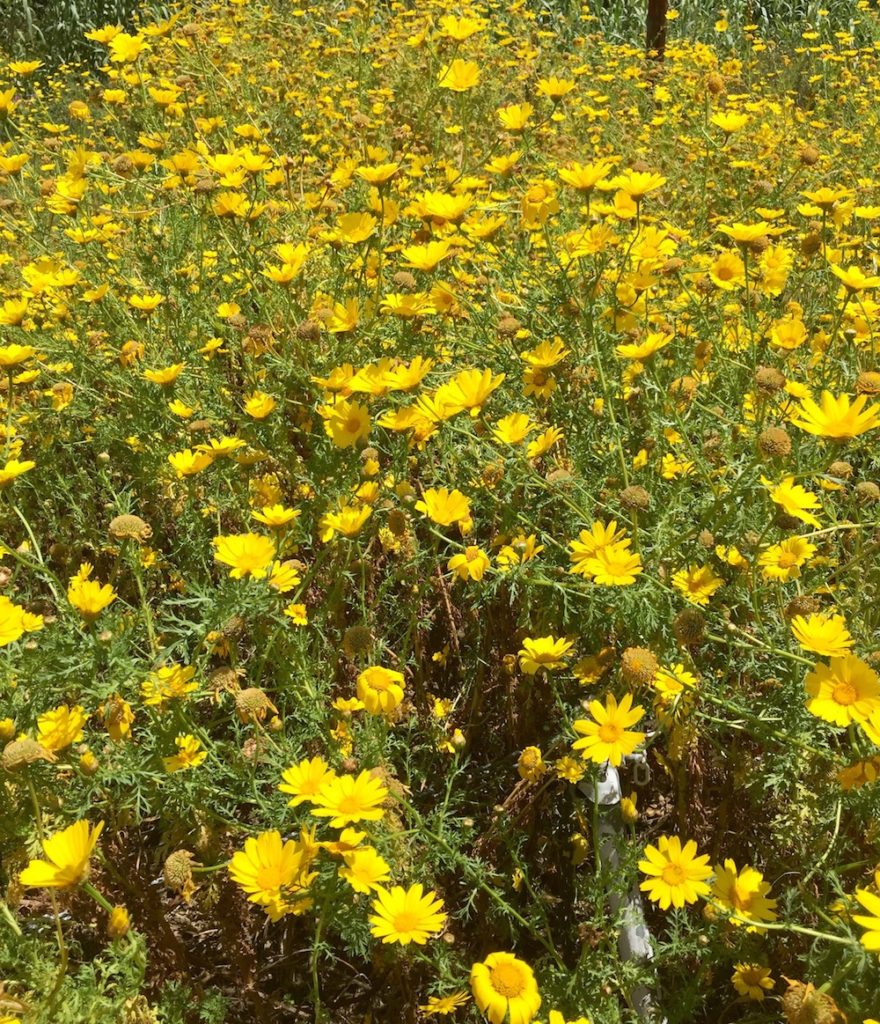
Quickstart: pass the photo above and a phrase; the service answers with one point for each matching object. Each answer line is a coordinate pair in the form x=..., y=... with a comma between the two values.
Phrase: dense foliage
x=410, y=418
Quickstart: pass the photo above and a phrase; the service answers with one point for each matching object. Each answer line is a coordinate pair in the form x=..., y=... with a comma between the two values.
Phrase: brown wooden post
x=655, y=27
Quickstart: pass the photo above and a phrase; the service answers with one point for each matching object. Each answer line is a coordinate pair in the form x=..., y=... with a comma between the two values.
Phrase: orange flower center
x=349, y=804
x=507, y=980
x=404, y=922
x=674, y=874
x=845, y=693
x=610, y=732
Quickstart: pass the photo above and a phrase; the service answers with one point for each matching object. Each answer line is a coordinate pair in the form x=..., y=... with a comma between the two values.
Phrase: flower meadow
x=414, y=418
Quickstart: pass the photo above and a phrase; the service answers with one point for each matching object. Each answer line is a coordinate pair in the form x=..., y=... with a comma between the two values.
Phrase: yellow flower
x=854, y=279
x=613, y=565
x=870, y=921
x=60, y=727
x=728, y=271
x=585, y=177
x=125, y=48
x=459, y=76
x=275, y=874
x=783, y=561
x=14, y=355
x=637, y=184
x=258, y=405
x=729, y=121
x=345, y=422
x=504, y=989
x=698, y=583
x=118, y=923
x=380, y=689
x=793, y=499
x=513, y=429
x=277, y=516
x=365, y=870
x=187, y=463
x=89, y=597
x=445, y=507
x=745, y=233
x=117, y=717
x=469, y=389
x=14, y=469
x=303, y=780
x=471, y=564
x=607, y=737
x=166, y=375
x=426, y=257
x=347, y=799
x=554, y=88
x=444, y=1005
x=751, y=981
x=189, y=754
x=67, y=858
x=676, y=874
x=15, y=621
x=407, y=915
x=347, y=521
x=515, y=116
x=170, y=682
x=826, y=635
x=644, y=349
x=531, y=764
x=298, y=613
x=249, y=554
x=836, y=417
x=743, y=895
x=844, y=691
x=545, y=652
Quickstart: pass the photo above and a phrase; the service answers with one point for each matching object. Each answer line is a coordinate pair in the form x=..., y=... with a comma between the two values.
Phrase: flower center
x=610, y=732
x=507, y=980
x=404, y=922
x=787, y=560
x=353, y=425
x=845, y=693
x=349, y=804
x=673, y=874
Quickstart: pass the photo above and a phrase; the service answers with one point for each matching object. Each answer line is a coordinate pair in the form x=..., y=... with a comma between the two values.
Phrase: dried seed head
x=688, y=626
x=868, y=383
x=177, y=873
x=308, y=330
x=357, y=640
x=804, y=1004
x=638, y=666
x=769, y=380
x=774, y=443
x=803, y=604
x=714, y=83
x=405, y=281
x=129, y=527
x=635, y=497
x=867, y=492
x=842, y=470
x=21, y=753
x=252, y=704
